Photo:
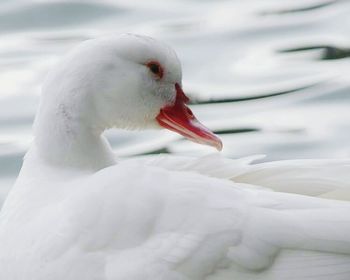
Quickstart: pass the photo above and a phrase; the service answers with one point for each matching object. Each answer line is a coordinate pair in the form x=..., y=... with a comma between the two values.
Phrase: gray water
x=271, y=77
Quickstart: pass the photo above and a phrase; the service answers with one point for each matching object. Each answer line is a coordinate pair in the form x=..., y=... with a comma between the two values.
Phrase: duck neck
x=63, y=137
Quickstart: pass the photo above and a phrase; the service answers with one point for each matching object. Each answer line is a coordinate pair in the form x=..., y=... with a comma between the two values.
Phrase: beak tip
x=218, y=145
x=214, y=141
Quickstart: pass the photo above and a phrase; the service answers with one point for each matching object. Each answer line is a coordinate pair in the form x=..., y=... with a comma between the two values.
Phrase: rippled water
x=272, y=77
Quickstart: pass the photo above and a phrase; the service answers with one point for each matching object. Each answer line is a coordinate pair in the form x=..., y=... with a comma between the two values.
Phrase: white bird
x=77, y=213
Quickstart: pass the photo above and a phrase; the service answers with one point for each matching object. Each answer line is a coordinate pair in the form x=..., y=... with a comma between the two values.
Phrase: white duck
x=76, y=213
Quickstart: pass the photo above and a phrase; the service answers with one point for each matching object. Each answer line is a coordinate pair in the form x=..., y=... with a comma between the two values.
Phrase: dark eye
x=155, y=68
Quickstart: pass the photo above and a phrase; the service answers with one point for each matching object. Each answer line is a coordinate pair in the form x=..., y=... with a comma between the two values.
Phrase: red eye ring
x=155, y=68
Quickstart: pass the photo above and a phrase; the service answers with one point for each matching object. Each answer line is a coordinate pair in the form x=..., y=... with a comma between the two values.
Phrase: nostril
x=189, y=112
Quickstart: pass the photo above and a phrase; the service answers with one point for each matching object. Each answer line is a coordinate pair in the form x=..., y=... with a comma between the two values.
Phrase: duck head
x=126, y=81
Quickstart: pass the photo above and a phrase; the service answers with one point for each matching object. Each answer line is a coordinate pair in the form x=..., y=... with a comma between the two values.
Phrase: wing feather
x=201, y=227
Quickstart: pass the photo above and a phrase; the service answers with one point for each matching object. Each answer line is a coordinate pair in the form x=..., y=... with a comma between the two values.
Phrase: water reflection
x=328, y=52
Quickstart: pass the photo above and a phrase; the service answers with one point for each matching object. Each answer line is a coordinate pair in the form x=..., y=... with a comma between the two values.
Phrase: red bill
x=179, y=118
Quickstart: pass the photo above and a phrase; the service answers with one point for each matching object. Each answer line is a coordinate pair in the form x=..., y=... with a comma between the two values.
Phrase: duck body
x=184, y=225
x=99, y=227
x=77, y=213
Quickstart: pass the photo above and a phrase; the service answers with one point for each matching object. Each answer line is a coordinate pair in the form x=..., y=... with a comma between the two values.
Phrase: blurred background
x=271, y=77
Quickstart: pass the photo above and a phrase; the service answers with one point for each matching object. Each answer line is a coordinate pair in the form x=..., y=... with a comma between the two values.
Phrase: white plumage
x=76, y=213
